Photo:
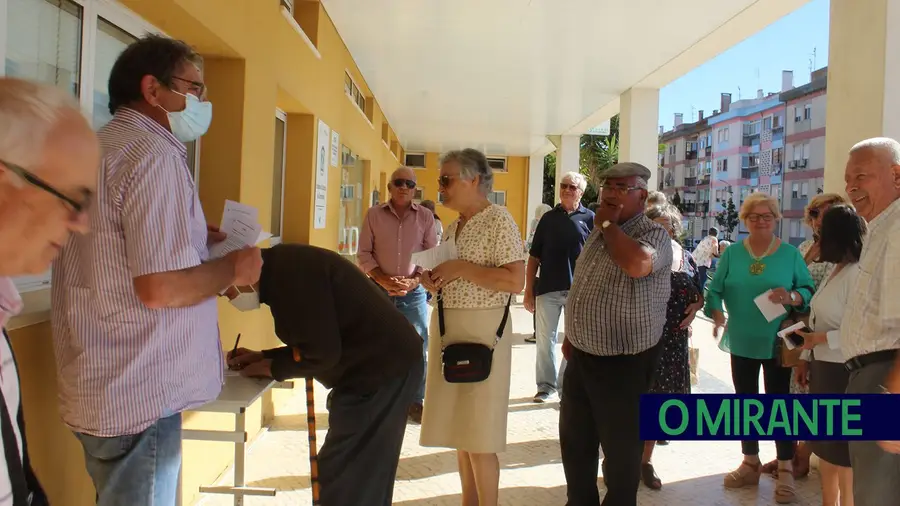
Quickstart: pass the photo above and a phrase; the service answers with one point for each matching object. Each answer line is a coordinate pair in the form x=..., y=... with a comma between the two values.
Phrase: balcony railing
x=750, y=173
x=707, y=151
x=704, y=179
x=690, y=181
x=703, y=207
x=778, y=128
x=798, y=203
x=798, y=164
x=690, y=154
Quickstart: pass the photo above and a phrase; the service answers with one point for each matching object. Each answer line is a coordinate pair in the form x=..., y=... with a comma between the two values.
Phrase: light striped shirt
x=10, y=305
x=609, y=312
x=120, y=365
x=872, y=319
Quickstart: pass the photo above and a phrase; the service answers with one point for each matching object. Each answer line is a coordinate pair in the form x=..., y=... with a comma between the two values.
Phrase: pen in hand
x=234, y=352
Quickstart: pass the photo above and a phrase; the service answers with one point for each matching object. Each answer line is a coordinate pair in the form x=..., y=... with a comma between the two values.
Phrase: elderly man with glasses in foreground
x=615, y=315
x=48, y=170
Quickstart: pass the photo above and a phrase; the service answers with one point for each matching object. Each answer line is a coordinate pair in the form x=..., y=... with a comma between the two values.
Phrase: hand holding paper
x=431, y=258
x=770, y=310
x=240, y=224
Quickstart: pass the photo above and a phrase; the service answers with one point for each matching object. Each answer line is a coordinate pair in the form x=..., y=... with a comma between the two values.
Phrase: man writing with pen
x=344, y=331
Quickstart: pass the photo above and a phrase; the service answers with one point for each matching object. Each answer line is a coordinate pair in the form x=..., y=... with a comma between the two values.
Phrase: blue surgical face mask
x=191, y=123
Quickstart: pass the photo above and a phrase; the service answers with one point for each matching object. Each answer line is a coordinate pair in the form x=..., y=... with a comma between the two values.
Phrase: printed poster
x=321, y=175
x=335, y=148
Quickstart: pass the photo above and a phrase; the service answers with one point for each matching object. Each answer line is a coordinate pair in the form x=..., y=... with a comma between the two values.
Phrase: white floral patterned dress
x=472, y=416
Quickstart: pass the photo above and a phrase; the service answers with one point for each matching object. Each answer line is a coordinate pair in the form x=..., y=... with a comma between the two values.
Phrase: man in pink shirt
x=391, y=233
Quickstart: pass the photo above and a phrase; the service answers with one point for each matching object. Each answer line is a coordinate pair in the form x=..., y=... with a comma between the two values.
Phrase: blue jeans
x=414, y=307
x=547, y=310
x=139, y=469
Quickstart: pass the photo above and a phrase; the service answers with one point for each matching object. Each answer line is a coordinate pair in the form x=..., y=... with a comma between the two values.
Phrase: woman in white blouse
x=840, y=244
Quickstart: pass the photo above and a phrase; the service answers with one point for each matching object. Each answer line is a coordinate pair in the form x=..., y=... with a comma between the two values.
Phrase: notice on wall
x=320, y=206
x=335, y=148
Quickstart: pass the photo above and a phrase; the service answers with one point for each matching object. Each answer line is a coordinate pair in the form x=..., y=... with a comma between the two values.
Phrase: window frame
x=280, y=115
x=493, y=199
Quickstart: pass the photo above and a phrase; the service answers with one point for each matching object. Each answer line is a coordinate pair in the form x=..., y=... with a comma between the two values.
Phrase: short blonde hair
x=822, y=199
x=756, y=199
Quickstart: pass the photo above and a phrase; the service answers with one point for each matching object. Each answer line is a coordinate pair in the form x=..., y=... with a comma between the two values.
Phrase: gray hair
x=669, y=212
x=541, y=210
x=28, y=114
x=656, y=198
x=577, y=179
x=472, y=164
x=884, y=145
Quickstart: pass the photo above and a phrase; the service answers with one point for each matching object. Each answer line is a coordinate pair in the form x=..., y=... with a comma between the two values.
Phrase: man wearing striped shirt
x=134, y=310
x=870, y=330
x=615, y=314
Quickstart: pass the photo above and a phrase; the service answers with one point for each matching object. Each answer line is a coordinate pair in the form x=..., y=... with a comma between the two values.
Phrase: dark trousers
x=702, y=272
x=600, y=408
x=358, y=461
x=777, y=380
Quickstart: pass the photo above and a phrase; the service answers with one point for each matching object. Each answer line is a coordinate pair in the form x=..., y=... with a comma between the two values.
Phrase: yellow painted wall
x=256, y=60
x=514, y=182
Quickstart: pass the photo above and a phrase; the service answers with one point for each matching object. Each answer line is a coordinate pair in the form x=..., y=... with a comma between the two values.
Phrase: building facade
x=773, y=143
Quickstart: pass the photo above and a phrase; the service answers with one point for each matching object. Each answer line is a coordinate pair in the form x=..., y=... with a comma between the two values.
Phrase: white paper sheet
x=770, y=310
x=240, y=224
x=431, y=258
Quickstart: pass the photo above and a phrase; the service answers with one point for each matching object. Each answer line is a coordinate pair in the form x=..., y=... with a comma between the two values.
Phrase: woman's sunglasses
x=814, y=213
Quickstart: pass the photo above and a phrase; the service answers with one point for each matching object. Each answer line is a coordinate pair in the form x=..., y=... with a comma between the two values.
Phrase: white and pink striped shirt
x=120, y=365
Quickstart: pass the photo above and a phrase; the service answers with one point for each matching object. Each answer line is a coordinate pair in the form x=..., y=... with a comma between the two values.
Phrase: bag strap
x=500, y=329
x=17, y=478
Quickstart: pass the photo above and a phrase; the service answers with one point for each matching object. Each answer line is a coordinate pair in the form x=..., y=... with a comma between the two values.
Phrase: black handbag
x=468, y=362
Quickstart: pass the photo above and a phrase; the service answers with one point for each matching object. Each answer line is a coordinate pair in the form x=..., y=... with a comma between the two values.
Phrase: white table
x=237, y=395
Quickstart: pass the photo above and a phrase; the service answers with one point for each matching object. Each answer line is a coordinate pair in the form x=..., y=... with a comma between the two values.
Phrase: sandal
x=770, y=468
x=745, y=475
x=784, y=490
x=649, y=477
x=801, y=461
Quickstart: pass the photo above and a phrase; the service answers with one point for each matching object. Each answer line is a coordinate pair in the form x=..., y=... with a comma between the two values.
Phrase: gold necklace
x=757, y=266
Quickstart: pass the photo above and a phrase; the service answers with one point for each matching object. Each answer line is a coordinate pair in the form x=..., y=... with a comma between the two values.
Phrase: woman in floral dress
x=673, y=374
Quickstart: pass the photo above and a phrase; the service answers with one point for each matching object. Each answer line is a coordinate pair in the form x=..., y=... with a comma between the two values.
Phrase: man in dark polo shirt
x=343, y=330
x=556, y=245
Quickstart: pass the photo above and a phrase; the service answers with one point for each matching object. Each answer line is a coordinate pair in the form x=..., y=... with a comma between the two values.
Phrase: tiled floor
x=531, y=470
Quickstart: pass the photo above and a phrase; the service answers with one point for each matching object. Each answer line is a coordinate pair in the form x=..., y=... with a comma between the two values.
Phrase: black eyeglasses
x=197, y=86
x=399, y=183
x=566, y=186
x=74, y=205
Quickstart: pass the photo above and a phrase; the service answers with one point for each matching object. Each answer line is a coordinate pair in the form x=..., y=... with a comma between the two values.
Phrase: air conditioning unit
x=288, y=4
x=497, y=163
x=415, y=160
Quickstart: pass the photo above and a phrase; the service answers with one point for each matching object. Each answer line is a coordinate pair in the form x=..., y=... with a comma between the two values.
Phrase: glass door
x=351, y=212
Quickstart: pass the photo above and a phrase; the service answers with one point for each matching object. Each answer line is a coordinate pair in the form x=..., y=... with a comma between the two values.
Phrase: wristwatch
x=793, y=296
x=605, y=224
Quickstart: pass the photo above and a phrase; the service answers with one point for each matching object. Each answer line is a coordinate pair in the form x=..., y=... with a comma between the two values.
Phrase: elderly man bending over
x=48, y=170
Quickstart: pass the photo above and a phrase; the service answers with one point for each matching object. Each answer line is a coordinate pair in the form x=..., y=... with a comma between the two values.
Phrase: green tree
x=549, y=196
x=729, y=219
x=597, y=153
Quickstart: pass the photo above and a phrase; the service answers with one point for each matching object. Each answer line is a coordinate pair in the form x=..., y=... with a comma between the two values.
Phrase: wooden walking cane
x=311, y=428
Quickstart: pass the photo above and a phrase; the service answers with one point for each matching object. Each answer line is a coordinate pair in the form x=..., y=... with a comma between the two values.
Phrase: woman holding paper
x=840, y=244
x=757, y=280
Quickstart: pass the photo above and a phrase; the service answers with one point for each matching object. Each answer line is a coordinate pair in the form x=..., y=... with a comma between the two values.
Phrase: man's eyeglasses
x=767, y=217
x=566, y=186
x=620, y=190
x=400, y=183
x=74, y=205
x=197, y=86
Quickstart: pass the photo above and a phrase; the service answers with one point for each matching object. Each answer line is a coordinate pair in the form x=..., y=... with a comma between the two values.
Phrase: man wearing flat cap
x=614, y=320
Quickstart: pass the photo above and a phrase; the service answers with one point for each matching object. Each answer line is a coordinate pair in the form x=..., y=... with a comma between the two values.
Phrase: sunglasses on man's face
x=567, y=186
x=400, y=183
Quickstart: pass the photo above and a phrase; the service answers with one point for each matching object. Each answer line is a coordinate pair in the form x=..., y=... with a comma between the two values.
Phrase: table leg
x=239, y=454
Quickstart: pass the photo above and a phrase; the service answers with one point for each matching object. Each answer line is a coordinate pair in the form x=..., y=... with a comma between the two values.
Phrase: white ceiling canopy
x=501, y=75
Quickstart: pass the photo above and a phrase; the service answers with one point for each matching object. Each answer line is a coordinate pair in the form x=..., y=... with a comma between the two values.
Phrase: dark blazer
x=32, y=494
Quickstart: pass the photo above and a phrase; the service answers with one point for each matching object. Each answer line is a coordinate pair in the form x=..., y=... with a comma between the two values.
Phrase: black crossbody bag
x=468, y=362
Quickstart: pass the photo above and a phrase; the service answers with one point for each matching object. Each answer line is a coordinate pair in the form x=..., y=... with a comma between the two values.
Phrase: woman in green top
x=756, y=265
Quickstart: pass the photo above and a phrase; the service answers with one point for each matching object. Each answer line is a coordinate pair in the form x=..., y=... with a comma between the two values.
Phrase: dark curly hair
x=842, y=235
x=154, y=55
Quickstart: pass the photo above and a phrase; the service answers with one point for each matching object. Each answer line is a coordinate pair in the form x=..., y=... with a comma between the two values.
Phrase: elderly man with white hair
x=556, y=244
x=870, y=330
x=48, y=169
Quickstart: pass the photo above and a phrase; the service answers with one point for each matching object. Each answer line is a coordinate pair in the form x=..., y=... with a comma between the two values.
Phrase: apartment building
x=773, y=143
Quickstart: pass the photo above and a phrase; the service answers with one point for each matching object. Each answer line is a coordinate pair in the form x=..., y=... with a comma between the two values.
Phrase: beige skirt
x=468, y=416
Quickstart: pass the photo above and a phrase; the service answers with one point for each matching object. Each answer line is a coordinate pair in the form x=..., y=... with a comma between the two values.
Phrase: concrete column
x=568, y=159
x=639, y=129
x=863, y=79
x=535, y=187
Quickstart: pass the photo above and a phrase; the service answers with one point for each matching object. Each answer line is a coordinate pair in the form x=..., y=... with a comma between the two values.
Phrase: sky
x=755, y=63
